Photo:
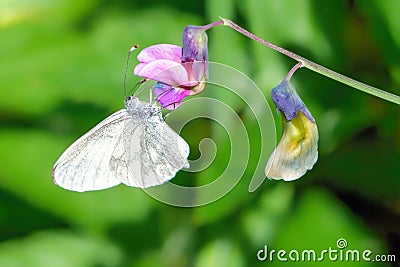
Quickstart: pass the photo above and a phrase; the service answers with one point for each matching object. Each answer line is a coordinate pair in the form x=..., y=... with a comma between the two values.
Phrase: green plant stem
x=316, y=67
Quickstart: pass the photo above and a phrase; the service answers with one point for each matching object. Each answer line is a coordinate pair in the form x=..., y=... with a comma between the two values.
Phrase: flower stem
x=209, y=26
x=316, y=67
x=293, y=70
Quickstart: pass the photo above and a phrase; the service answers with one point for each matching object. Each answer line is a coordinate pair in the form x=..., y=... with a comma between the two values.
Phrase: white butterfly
x=133, y=146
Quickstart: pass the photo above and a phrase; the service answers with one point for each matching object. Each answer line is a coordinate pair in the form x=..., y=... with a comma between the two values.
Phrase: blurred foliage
x=61, y=72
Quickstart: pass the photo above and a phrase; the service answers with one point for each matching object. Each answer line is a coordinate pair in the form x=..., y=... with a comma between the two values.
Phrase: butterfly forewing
x=85, y=165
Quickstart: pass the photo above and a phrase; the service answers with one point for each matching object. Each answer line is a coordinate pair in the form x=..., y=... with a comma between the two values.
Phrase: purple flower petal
x=194, y=41
x=165, y=71
x=168, y=96
x=198, y=70
x=138, y=68
x=160, y=51
x=288, y=101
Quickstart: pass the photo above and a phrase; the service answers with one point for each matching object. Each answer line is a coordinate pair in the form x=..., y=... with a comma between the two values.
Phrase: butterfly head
x=131, y=102
x=143, y=109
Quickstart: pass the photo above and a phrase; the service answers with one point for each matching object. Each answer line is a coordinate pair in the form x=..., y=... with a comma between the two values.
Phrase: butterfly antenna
x=133, y=48
x=135, y=86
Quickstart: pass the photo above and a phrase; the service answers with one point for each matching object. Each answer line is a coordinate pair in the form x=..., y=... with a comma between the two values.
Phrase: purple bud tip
x=288, y=101
x=194, y=44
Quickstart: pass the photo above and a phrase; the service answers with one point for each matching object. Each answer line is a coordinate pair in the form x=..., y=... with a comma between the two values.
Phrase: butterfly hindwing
x=154, y=152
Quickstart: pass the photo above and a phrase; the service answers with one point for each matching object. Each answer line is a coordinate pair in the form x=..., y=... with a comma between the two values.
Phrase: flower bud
x=297, y=150
x=194, y=46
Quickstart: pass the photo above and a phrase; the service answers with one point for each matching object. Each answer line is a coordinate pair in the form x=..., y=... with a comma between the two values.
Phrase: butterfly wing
x=90, y=163
x=154, y=152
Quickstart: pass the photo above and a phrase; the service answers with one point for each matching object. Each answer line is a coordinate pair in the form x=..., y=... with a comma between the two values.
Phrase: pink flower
x=179, y=71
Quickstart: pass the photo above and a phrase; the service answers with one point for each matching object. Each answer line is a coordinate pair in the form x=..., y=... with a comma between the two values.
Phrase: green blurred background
x=61, y=72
